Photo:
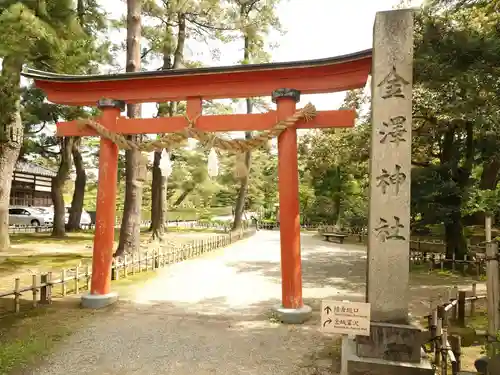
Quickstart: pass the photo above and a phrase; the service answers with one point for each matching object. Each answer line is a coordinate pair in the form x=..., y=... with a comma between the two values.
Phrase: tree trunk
x=162, y=209
x=155, y=182
x=454, y=230
x=242, y=193
x=489, y=181
x=80, y=12
x=75, y=211
x=59, y=228
x=130, y=230
x=337, y=197
x=183, y=196
x=159, y=184
x=11, y=139
x=159, y=200
x=455, y=238
x=337, y=200
x=181, y=40
x=490, y=175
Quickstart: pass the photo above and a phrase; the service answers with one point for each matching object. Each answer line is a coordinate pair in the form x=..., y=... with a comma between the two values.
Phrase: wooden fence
x=43, y=287
x=445, y=349
x=473, y=262
x=144, y=224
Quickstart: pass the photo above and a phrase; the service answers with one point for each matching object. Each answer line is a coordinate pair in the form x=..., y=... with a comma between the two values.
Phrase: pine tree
x=45, y=35
x=130, y=230
x=255, y=19
x=178, y=21
x=92, y=20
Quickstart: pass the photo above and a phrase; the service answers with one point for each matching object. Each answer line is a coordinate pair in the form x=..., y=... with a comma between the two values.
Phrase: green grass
x=479, y=321
x=81, y=237
x=46, y=261
x=421, y=275
x=46, y=238
x=84, y=237
x=26, y=337
x=193, y=230
x=187, y=213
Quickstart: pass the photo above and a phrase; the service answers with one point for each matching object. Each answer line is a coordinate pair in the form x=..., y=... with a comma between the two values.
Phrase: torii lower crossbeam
x=218, y=123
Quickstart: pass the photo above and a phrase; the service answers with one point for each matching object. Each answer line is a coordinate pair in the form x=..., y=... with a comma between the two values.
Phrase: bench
x=338, y=236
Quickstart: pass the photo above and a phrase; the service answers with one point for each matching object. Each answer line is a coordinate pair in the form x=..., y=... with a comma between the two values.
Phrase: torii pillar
x=292, y=309
x=100, y=287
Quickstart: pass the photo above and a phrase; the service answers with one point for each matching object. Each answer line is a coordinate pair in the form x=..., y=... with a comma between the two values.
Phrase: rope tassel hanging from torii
x=213, y=163
x=165, y=164
x=238, y=146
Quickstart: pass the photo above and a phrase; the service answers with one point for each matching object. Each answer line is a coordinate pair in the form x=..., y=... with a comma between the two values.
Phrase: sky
x=314, y=29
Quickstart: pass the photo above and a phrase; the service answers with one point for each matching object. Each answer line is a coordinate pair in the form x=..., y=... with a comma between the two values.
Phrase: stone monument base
x=392, y=342
x=375, y=366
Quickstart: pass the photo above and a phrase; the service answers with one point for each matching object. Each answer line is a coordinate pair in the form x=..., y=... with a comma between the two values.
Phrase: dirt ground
x=212, y=315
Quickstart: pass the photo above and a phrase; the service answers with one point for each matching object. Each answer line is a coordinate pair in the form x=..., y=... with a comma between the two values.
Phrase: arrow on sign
x=328, y=321
x=328, y=309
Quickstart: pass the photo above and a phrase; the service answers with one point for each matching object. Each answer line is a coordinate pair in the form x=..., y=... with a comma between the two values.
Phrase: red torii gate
x=111, y=92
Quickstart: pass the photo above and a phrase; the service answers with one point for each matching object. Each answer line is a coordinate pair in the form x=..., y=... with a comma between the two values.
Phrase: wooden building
x=31, y=185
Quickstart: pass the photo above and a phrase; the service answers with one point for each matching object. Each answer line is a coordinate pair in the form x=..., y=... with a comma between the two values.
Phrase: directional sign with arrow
x=345, y=317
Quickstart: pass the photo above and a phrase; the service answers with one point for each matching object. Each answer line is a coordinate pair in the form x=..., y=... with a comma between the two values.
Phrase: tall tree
x=172, y=51
x=58, y=181
x=76, y=208
x=455, y=109
x=36, y=110
x=92, y=20
x=43, y=34
x=338, y=180
x=255, y=20
x=171, y=24
x=130, y=230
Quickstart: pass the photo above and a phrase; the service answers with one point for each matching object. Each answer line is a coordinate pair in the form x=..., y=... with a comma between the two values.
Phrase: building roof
x=32, y=168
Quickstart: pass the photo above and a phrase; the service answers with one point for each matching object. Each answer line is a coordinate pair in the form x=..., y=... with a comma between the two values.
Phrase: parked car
x=45, y=210
x=85, y=219
x=29, y=216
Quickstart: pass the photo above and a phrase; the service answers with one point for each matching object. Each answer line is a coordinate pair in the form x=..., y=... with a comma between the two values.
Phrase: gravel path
x=211, y=315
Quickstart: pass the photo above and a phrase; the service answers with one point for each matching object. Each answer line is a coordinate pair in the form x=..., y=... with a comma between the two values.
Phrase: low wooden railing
x=144, y=224
x=444, y=349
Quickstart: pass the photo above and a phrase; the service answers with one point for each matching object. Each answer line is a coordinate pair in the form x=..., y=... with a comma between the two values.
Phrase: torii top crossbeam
x=241, y=81
x=284, y=81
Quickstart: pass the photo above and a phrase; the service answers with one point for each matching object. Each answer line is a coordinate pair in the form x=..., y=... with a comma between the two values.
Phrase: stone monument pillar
x=394, y=346
x=390, y=164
